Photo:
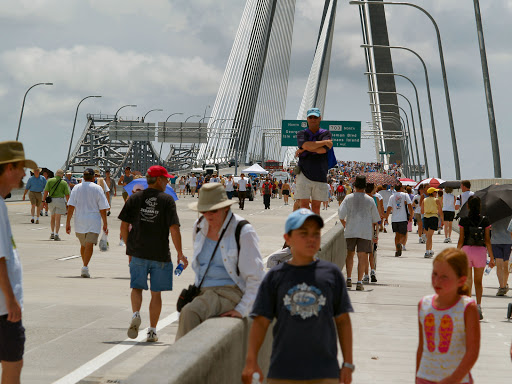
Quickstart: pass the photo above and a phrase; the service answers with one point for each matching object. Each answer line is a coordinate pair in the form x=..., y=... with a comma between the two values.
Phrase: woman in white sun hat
x=227, y=261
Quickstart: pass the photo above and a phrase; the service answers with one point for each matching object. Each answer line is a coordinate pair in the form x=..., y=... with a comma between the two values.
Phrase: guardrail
x=215, y=351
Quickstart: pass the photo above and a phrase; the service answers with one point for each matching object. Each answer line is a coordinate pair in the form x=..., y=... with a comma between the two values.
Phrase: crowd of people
x=307, y=297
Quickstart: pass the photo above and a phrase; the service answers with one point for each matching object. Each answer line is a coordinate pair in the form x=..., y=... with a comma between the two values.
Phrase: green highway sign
x=386, y=153
x=344, y=133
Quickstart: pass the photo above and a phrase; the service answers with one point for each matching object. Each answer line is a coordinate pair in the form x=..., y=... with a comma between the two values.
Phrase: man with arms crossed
x=313, y=145
x=152, y=214
x=12, y=333
x=90, y=204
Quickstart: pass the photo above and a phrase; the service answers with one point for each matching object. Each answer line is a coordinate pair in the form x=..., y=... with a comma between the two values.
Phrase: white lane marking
x=331, y=217
x=68, y=258
x=38, y=229
x=109, y=355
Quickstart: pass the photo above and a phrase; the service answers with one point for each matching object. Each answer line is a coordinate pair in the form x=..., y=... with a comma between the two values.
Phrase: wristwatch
x=352, y=367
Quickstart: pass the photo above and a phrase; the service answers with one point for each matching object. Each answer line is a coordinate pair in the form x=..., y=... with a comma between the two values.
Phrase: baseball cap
x=298, y=217
x=89, y=171
x=314, y=112
x=157, y=170
x=68, y=172
x=432, y=190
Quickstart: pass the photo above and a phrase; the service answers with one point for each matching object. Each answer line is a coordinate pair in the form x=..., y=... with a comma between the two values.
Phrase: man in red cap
x=152, y=214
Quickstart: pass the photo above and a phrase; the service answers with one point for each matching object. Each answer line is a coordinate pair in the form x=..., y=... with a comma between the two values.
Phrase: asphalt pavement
x=76, y=328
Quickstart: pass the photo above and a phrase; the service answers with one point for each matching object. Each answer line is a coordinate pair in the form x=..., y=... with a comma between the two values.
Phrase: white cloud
x=95, y=69
x=45, y=11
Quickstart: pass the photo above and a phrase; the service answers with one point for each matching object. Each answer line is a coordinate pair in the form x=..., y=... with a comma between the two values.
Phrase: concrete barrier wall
x=215, y=351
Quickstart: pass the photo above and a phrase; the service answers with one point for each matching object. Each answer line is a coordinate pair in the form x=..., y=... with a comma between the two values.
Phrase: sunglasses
x=213, y=211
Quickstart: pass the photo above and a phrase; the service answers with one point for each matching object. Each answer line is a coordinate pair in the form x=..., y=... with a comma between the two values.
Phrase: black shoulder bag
x=49, y=197
x=190, y=293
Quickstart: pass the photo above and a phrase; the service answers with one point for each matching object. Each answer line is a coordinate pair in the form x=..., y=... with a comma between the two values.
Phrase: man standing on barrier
x=313, y=144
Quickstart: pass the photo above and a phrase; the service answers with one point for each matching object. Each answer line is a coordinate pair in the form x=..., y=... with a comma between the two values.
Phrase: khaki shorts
x=36, y=198
x=363, y=245
x=310, y=189
x=57, y=206
x=89, y=237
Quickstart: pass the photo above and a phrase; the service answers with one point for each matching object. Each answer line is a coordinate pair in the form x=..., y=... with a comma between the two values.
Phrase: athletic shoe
x=133, y=331
x=398, y=250
x=32, y=220
x=57, y=237
x=349, y=283
x=152, y=337
x=46, y=213
x=501, y=291
x=431, y=253
x=373, y=277
x=480, y=313
x=108, y=213
x=37, y=221
x=449, y=239
x=428, y=255
x=85, y=272
x=446, y=240
x=403, y=247
x=424, y=238
x=421, y=240
x=52, y=236
x=359, y=286
x=41, y=213
x=366, y=279
x=439, y=232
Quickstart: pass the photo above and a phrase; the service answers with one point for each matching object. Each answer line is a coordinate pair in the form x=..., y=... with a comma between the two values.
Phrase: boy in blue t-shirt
x=305, y=295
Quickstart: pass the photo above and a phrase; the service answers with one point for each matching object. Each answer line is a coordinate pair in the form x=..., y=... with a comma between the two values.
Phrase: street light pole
x=124, y=106
x=413, y=127
x=23, y=106
x=73, y=131
x=407, y=139
x=434, y=135
x=443, y=70
x=144, y=118
x=162, y=143
x=488, y=93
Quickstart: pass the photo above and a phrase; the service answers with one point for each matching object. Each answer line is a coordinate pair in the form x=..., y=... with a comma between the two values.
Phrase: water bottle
x=487, y=270
x=179, y=268
x=255, y=378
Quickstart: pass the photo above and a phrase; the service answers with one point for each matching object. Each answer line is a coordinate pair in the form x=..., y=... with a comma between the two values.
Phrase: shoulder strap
x=238, y=229
x=197, y=225
x=54, y=188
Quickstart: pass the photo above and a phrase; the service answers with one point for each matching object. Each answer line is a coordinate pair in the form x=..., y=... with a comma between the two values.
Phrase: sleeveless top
x=430, y=205
x=444, y=339
x=448, y=202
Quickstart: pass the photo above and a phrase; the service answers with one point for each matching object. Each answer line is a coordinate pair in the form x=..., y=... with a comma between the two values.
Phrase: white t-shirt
x=385, y=195
x=416, y=204
x=10, y=253
x=192, y=181
x=229, y=185
x=360, y=212
x=242, y=185
x=463, y=197
x=88, y=199
x=399, y=201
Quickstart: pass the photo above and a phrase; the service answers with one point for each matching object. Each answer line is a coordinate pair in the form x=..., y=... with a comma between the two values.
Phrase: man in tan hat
x=12, y=333
x=35, y=187
x=152, y=214
x=58, y=190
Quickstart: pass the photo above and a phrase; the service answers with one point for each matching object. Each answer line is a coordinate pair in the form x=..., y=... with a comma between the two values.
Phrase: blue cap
x=298, y=217
x=314, y=112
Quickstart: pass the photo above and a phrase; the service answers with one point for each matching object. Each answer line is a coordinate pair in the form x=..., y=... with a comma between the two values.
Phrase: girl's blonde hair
x=458, y=260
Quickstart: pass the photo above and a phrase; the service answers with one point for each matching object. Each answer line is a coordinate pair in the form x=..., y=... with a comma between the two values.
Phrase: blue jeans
x=160, y=274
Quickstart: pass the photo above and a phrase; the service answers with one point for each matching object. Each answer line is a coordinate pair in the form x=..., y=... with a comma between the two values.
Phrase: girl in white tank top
x=449, y=327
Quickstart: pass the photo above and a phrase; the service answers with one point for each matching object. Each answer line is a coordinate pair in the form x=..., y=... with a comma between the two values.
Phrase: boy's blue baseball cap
x=314, y=112
x=298, y=217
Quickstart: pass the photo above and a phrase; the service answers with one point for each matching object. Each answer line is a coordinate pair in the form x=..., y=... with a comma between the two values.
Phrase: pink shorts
x=477, y=256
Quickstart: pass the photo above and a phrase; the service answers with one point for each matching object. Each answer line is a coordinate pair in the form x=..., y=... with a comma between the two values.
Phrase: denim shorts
x=160, y=274
x=12, y=340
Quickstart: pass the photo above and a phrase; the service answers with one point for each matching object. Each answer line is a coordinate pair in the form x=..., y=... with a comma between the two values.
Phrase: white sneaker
x=85, y=272
x=449, y=239
x=133, y=331
x=446, y=240
x=403, y=247
x=152, y=336
x=366, y=279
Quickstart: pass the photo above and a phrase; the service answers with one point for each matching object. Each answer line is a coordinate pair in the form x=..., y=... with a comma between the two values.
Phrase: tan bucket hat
x=12, y=151
x=213, y=196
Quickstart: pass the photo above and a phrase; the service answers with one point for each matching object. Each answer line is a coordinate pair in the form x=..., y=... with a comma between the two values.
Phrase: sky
x=171, y=54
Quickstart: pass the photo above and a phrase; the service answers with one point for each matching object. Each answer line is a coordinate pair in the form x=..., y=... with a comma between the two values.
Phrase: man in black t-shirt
x=152, y=214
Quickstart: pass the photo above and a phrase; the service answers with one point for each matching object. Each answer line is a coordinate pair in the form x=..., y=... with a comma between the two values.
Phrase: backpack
x=267, y=188
x=238, y=229
x=476, y=234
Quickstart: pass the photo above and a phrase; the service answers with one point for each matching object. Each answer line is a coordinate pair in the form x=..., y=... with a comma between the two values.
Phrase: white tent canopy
x=255, y=168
